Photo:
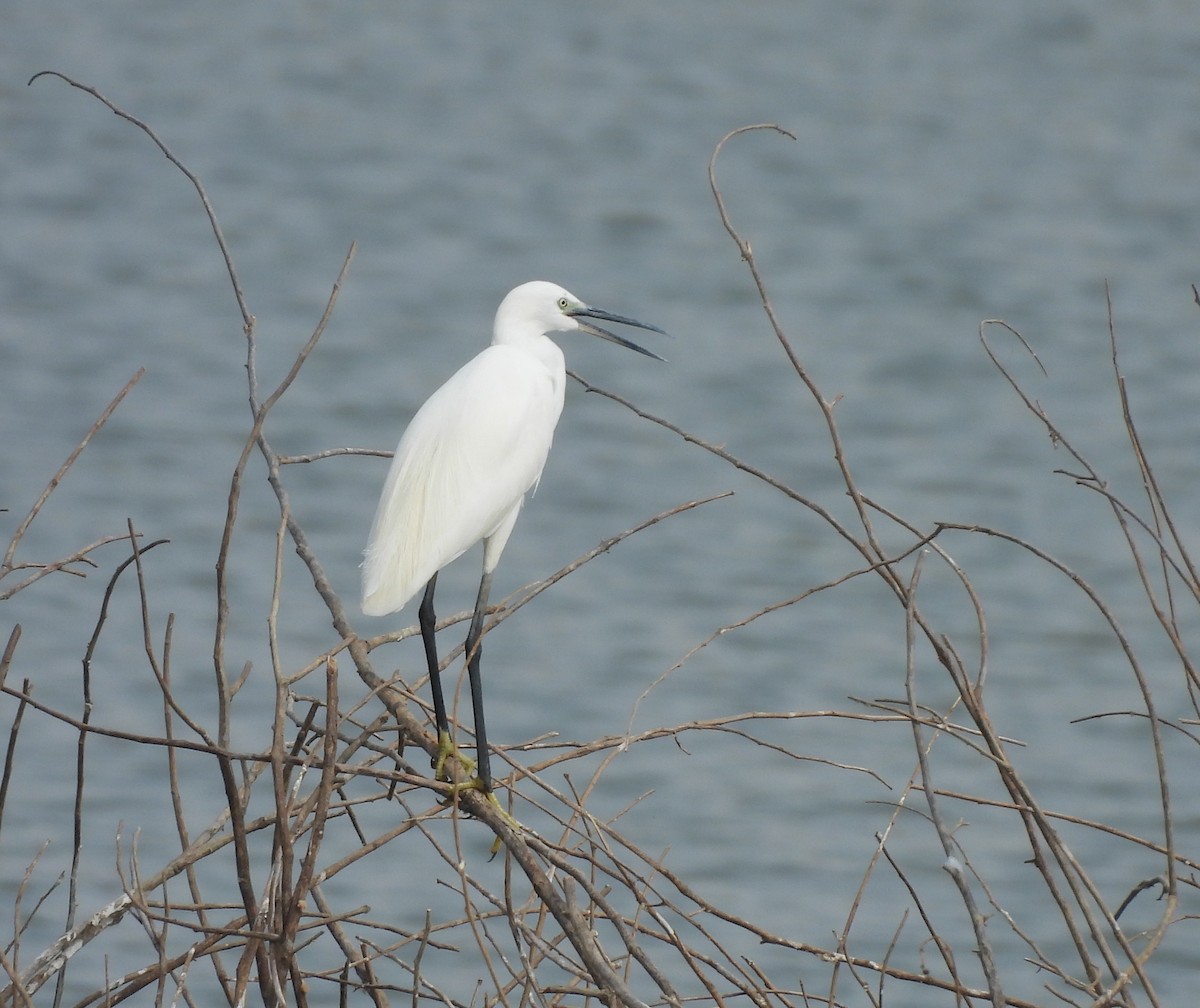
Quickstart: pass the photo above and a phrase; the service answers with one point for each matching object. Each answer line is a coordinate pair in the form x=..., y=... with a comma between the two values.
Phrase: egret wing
x=460, y=472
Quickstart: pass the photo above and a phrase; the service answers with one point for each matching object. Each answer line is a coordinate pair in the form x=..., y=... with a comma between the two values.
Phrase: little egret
x=462, y=469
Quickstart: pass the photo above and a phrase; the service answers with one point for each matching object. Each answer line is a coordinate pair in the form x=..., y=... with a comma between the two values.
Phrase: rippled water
x=953, y=162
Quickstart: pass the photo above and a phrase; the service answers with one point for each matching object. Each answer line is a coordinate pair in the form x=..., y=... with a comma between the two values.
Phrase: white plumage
x=462, y=470
x=465, y=463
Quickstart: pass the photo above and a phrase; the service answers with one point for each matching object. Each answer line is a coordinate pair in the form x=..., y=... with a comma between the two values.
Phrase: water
x=953, y=162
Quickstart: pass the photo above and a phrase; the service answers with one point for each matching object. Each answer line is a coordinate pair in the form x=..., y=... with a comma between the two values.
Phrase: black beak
x=587, y=311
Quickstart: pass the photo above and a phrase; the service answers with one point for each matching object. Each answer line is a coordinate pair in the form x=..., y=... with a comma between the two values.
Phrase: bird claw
x=472, y=783
x=468, y=781
x=446, y=748
x=507, y=816
x=455, y=788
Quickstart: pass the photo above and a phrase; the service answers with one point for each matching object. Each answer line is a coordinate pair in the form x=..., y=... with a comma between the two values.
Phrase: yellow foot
x=446, y=749
x=507, y=816
x=475, y=784
x=471, y=784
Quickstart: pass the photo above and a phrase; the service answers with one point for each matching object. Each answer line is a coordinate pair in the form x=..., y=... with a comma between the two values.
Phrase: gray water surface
x=953, y=162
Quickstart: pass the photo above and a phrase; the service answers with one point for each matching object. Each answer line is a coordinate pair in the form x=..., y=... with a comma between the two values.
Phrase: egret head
x=545, y=308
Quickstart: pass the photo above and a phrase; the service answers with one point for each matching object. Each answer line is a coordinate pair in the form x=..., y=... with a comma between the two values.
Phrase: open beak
x=587, y=311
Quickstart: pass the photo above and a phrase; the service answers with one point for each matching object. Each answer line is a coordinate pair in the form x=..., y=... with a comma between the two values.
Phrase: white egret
x=462, y=469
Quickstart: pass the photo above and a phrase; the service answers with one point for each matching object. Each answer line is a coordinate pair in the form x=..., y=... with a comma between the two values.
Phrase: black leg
x=474, y=649
x=428, y=622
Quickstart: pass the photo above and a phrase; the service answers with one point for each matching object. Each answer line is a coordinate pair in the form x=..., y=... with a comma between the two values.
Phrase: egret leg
x=428, y=622
x=483, y=781
x=474, y=649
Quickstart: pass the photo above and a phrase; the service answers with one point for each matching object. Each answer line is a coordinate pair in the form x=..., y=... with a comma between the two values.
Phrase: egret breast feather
x=465, y=463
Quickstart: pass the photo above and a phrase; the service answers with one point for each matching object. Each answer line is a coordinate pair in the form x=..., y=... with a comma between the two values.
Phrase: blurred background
x=953, y=162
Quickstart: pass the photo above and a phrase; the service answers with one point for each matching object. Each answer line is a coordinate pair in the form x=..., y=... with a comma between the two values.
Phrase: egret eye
x=563, y=303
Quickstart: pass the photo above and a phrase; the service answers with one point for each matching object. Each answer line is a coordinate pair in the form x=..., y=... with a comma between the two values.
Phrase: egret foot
x=508, y=817
x=475, y=784
x=470, y=784
x=446, y=748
